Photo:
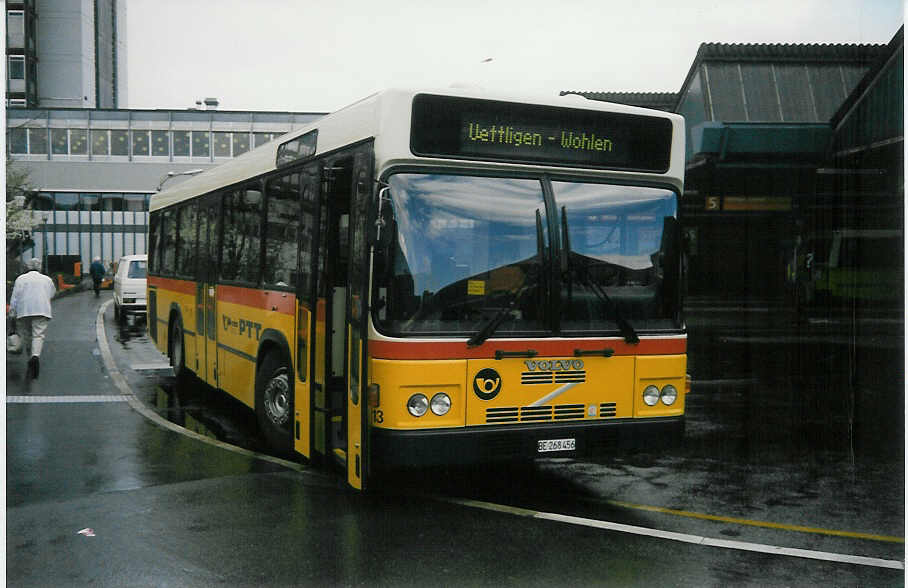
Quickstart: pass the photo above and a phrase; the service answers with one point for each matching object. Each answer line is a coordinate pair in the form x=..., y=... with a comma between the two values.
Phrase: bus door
x=206, y=288
x=345, y=191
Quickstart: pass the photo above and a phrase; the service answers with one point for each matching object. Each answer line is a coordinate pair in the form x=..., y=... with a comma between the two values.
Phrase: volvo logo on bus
x=554, y=365
x=487, y=384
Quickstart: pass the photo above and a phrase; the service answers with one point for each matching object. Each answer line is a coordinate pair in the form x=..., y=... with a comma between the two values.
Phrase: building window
x=181, y=143
x=119, y=142
x=200, y=147
x=262, y=138
x=135, y=202
x=221, y=144
x=160, y=143
x=60, y=141
x=18, y=141
x=78, y=141
x=66, y=201
x=37, y=141
x=15, y=28
x=140, y=143
x=240, y=143
x=90, y=202
x=16, y=67
x=99, y=142
x=43, y=201
x=112, y=202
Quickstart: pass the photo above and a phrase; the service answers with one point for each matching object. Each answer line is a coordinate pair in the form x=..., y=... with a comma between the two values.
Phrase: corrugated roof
x=825, y=52
x=658, y=100
x=744, y=82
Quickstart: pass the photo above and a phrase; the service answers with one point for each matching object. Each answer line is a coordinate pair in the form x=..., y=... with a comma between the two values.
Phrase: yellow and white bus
x=436, y=277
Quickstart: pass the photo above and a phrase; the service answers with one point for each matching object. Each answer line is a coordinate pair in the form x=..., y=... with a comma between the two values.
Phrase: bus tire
x=274, y=402
x=116, y=312
x=176, y=343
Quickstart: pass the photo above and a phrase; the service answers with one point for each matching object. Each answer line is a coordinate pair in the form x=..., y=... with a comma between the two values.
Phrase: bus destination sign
x=469, y=128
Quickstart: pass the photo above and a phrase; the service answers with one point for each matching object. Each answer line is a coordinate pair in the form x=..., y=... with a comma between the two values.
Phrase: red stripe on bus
x=272, y=300
x=181, y=286
x=545, y=348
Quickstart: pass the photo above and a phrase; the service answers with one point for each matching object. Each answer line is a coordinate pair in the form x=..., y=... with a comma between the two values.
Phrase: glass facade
x=106, y=201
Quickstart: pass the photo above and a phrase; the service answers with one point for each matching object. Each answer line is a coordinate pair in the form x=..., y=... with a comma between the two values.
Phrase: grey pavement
x=99, y=493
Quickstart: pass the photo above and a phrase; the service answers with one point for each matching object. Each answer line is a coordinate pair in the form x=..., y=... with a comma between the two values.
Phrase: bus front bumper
x=469, y=445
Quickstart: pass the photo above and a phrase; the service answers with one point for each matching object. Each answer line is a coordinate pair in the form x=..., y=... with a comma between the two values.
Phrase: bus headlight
x=441, y=404
x=651, y=395
x=669, y=395
x=418, y=405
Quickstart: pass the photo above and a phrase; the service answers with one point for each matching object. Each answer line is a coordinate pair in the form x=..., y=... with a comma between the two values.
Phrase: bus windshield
x=460, y=252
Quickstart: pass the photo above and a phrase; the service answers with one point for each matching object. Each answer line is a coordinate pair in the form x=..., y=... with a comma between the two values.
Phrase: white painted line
x=684, y=537
x=150, y=366
x=139, y=406
x=64, y=399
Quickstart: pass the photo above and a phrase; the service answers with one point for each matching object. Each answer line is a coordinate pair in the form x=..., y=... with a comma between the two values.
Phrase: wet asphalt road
x=795, y=440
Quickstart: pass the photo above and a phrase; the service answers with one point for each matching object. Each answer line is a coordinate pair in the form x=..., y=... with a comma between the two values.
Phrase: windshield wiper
x=487, y=329
x=627, y=330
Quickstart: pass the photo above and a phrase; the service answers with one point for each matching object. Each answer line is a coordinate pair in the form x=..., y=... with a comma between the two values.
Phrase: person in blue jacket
x=97, y=274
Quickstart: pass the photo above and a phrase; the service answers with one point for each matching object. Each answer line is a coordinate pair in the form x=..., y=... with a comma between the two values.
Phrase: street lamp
x=44, y=243
x=170, y=174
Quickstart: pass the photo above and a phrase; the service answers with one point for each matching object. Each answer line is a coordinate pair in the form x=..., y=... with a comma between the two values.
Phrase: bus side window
x=154, y=235
x=282, y=210
x=168, y=243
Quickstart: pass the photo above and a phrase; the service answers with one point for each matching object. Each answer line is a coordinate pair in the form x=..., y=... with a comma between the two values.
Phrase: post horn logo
x=487, y=384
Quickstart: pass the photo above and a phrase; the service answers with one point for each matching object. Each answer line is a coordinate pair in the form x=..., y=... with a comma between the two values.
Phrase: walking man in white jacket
x=30, y=305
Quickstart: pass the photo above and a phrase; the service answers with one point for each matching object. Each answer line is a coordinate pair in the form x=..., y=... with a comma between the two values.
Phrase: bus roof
x=381, y=117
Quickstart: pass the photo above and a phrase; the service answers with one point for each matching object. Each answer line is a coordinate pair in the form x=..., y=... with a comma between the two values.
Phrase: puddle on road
x=131, y=328
x=197, y=407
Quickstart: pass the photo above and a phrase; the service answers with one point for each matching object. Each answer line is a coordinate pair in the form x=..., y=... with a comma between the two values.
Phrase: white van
x=130, y=285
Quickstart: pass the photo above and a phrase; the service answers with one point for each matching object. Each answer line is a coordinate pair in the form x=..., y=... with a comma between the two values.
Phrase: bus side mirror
x=382, y=226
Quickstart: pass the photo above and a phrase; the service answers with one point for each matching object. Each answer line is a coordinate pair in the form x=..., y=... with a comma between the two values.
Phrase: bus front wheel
x=274, y=402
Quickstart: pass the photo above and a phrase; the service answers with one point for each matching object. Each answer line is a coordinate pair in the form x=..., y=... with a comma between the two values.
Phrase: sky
x=320, y=55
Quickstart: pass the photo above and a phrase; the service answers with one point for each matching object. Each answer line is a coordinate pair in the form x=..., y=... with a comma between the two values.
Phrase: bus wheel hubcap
x=277, y=399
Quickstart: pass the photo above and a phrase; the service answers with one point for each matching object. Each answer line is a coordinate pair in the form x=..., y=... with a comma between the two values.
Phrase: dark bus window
x=242, y=235
x=154, y=235
x=283, y=215
x=168, y=243
x=186, y=250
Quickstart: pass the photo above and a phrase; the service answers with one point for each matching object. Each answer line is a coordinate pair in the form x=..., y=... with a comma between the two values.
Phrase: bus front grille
x=568, y=377
x=538, y=414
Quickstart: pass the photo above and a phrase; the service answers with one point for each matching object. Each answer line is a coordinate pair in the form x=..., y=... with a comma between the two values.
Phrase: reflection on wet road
x=794, y=444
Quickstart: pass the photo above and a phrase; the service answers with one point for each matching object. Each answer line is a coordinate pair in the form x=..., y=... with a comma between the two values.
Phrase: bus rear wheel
x=177, y=349
x=274, y=402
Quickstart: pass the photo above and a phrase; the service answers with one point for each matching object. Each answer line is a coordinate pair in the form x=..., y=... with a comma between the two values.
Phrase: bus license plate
x=546, y=445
